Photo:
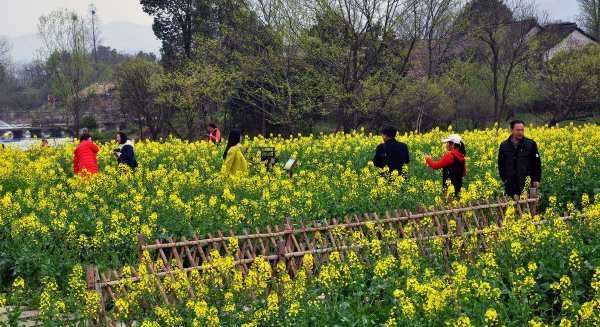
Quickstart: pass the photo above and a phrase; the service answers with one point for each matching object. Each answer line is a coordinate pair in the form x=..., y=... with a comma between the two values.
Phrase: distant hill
x=123, y=36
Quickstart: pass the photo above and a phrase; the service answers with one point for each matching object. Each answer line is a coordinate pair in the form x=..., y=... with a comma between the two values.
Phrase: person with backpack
x=453, y=163
x=125, y=154
x=391, y=153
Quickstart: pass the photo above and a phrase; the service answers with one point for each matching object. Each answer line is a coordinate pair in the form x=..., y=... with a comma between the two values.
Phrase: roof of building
x=98, y=89
x=552, y=34
x=6, y=126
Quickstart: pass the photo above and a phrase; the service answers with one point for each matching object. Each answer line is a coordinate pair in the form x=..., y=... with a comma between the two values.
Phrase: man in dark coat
x=519, y=158
x=391, y=153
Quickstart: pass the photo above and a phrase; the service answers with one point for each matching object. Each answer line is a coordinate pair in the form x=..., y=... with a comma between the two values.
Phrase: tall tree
x=359, y=37
x=501, y=32
x=439, y=22
x=590, y=16
x=4, y=50
x=278, y=85
x=67, y=43
x=193, y=91
x=138, y=97
x=570, y=82
x=173, y=24
x=64, y=30
x=4, y=59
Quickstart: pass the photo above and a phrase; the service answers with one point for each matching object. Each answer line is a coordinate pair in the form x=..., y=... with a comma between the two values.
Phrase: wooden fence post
x=281, y=251
x=141, y=244
x=92, y=279
x=533, y=194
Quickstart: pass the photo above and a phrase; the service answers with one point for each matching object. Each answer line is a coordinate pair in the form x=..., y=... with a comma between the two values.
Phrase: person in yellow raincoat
x=233, y=158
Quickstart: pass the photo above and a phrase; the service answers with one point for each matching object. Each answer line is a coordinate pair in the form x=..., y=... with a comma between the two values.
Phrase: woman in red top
x=84, y=157
x=214, y=134
x=453, y=163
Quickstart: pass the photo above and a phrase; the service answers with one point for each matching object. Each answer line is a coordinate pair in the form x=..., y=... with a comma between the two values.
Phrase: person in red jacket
x=84, y=157
x=453, y=163
x=214, y=134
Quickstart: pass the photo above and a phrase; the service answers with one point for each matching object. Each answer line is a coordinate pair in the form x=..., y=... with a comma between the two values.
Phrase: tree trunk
x=430, y=55
x=76, y=117
x=263, y=126
x=495, y=90
x=141, y=127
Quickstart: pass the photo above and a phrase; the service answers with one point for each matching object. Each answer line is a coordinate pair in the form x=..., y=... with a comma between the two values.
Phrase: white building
x=558, y=37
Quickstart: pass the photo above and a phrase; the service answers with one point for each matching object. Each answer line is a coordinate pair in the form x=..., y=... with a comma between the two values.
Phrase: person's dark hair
x=389, y=131
x=461, y=148
x=515, y=122
x=212, y=125
x=235, y=137
x=122, y=137
x=84, y=134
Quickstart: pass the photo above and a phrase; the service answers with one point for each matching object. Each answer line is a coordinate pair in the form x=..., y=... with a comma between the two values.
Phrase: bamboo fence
x=289, y=244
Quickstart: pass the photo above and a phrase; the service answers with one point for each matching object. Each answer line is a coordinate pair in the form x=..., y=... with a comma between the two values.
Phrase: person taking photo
x=125, y=154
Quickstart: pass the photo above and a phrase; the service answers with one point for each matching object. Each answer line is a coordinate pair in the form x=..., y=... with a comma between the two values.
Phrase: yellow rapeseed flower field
x=52, y=222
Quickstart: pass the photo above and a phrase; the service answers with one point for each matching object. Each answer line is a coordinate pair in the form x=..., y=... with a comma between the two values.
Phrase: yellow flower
x=18, y=284
x=150, y=323
x=535, y=323
x=491, y=317
x=463, y=321
x=308, y=262
x=227, y=195
x=122, y=307
x=532, y=267
x=596, y=282
x=565, y=282
x=575, y=261
x=375, y=246
x=294, y=309
x=383, y=266
x=233, y=244
x=516, y=248
x=587, y=310
x=565, y=323
x=168, y=317
x=273, y=303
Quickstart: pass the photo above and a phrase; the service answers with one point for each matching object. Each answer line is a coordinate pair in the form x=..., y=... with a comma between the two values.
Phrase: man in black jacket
x=391, y=153
x=518, y=158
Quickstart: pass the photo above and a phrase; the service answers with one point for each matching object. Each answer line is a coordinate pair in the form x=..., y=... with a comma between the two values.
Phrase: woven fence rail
x=289, y=244
x=30, y=317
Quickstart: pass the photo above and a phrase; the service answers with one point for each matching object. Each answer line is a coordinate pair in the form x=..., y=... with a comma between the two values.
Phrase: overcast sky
x=19, y=17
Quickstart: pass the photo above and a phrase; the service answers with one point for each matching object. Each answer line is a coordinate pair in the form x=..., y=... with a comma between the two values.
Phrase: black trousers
x=456, y=182
x=514, y=186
